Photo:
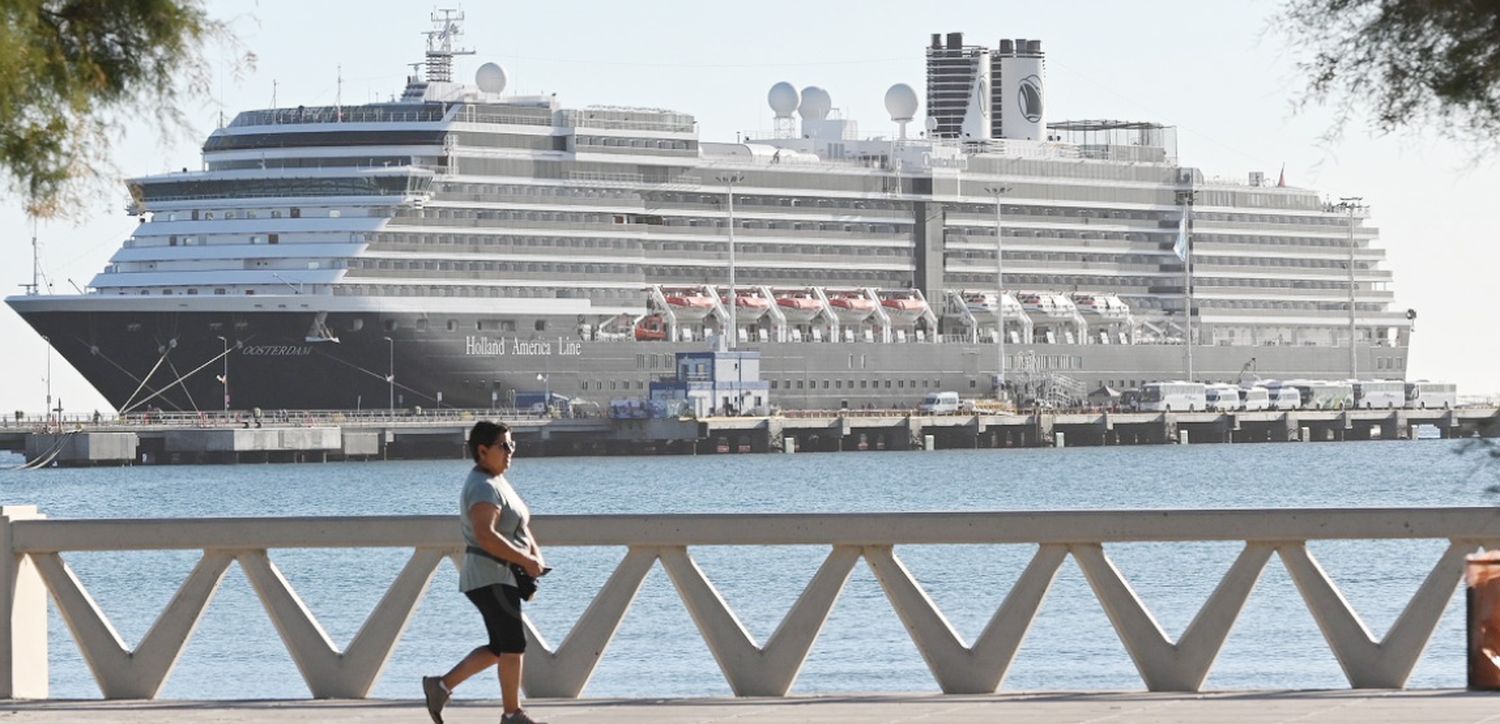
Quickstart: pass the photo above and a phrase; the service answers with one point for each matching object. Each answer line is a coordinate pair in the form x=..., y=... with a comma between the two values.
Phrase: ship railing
x=338, y=114
x=33, y=567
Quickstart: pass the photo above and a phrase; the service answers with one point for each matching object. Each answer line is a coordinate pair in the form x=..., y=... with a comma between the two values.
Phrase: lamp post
x=47, y=411
x=1185, y=199
x=729, y=180
x=1352, y=205
x=224, y=378
x=998, y=192
x=390, y=375
x=546, y=381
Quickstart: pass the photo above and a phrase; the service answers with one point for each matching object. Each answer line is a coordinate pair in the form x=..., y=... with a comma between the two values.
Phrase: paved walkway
x=1321, y=707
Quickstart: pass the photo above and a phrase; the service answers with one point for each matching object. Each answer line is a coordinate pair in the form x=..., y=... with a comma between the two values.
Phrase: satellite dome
x=490, y=78
x=816, y=103
x=931, y=124
x=901, y=102
x=783, y=99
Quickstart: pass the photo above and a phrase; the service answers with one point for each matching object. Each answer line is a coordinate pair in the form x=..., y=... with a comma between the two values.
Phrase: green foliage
x=1407, y=62
x=74, y=69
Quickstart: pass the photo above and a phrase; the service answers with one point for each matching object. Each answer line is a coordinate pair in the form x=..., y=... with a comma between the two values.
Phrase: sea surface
x=236, y=652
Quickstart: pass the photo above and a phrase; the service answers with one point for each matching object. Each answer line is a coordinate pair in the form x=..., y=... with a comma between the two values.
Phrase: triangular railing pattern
x=769, y=669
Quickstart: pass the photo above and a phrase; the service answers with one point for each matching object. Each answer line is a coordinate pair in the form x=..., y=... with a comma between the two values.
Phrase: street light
x=997, y=192
x=730, y=180
x=1352, y=205
x=390, y=375
x=224, y=378
x=47, y=411
x=546, y=381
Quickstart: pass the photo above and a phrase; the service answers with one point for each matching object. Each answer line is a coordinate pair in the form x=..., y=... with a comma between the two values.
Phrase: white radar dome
x=783, y=99
x=816, y=103
x=931, y=124
x=901, y=102
x=490, y=78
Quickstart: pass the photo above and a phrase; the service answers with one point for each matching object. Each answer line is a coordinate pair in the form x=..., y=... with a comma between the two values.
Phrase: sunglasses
x=509, y=446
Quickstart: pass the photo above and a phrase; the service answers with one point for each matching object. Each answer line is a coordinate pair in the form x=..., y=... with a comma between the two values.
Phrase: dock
x=335, y=436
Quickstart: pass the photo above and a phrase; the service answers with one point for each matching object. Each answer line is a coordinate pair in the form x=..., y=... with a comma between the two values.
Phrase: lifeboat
x=851, y=306
x=748, y=301
x=980, y=302
x=689, y=304
x=651, y=328
x=799, y=305
x=1043, y=305
x=904, y=306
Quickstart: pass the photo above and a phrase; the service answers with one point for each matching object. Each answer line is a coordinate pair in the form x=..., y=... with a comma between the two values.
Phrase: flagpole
x=1185, y=199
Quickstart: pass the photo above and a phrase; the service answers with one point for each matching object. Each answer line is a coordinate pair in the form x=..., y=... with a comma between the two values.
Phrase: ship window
x=275, y=213
x=421, y=325
x=583, y=385
x=799, y=384
x=209, y=216
x=220, y=290
x=296, y=213
x=452, y=325
x=390, y=325
x=839, y=384
x=334, y=213
x=166, y=291
x=192, y=291
x=249, y=292
x=541, y=325
x=825, y=384
x=195, y=215
x=773, y=384
x=172, y=241
x=274, y=239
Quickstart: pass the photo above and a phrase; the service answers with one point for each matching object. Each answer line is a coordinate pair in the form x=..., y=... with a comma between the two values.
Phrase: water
x=236, y=652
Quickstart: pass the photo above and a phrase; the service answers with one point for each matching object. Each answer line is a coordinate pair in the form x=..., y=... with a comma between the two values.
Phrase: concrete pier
x=323, y=437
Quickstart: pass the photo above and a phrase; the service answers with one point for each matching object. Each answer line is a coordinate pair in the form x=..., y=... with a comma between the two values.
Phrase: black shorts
x=500, y=605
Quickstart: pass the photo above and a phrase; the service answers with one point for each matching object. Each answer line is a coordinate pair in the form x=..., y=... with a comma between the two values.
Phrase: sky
x=1217, y=70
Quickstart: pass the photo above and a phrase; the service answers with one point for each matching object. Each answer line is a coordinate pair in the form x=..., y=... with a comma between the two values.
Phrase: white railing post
x=23, y=615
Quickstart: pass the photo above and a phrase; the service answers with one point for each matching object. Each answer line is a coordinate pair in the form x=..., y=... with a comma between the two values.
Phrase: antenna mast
x=440, y=42
x=36, y=264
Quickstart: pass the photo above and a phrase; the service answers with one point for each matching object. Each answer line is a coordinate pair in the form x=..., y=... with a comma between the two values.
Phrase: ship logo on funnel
x=1029, y=97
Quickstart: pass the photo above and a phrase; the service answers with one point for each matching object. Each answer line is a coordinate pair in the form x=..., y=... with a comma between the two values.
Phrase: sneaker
x=436, y=696
x=519, y=717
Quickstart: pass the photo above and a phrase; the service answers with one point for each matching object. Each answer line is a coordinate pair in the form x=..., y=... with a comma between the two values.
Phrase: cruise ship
x=461, y=246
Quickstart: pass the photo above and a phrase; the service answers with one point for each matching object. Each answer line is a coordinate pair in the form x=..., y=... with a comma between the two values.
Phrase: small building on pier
x=715, y=383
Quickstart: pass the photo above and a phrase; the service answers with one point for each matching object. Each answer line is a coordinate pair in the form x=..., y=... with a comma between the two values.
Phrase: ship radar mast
x=440, y=44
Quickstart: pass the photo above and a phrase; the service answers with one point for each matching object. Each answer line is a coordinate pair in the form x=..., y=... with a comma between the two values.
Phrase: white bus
x=1379, y=394
x=1324, y=395
x=1255, y=398
x=1223, y=398
x=1285, y=398
x=1173, y=397
x=1422, y=395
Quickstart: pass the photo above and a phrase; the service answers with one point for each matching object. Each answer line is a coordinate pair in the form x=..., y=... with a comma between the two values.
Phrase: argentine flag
x=1181, y=247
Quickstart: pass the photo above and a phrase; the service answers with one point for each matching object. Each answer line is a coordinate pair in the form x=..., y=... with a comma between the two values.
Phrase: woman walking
x=495, y=521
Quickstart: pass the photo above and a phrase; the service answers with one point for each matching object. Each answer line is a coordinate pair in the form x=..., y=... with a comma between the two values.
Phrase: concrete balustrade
x=32, y=566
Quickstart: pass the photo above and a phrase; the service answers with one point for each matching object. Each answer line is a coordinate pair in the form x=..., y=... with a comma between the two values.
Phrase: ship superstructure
x=460, y=245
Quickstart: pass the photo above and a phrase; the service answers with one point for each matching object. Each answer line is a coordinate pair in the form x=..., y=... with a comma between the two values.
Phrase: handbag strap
x=476, y=550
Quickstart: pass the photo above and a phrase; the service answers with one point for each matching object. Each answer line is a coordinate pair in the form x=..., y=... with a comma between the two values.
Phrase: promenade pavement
x=1319, y=707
